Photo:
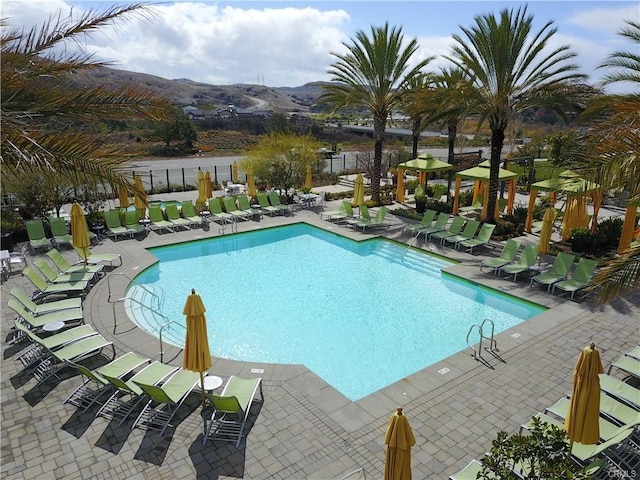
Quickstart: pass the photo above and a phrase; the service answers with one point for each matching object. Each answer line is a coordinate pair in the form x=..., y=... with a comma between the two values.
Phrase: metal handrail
x=160, y=335
x=493, y=345
x=479, y=352
x=131, y=280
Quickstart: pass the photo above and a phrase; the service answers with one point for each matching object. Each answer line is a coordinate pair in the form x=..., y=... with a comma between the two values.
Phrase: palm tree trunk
x=378, y=135
x=497, y=141
x=415, y=136
x=452, y=132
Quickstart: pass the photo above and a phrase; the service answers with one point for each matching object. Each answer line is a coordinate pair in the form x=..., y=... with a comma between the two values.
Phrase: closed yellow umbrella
x=545, y=232
x=583, y=419
x=123, y=197
x=202, y=190
x=197, y=356
x=79, y=230
x=308, y=178
x=568, y=221
x=252, y=191
x=400, y=186
x=140, y=198
x=234, y=172
x=358, y=191
x=399, y=440
x=208, y=190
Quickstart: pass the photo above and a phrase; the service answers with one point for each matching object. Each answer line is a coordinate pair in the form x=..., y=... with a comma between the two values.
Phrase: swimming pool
x=361, y=315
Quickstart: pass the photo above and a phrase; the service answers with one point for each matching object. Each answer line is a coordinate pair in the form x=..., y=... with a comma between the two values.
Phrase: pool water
x=361, y=315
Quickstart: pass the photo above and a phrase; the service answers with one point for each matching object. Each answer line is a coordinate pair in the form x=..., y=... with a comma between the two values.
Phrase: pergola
x=424, y=163
x=480, y=174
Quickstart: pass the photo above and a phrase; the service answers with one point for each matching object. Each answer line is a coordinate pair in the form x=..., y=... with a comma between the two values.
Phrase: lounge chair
x=470, y=472
x=60, y=231
x=37, y=238
x=265, y=206
x=274, y=200
x=426, y=221
x=128, y=394
x=438, y=191
x=620, y=389
x=364, y=215
x=629, y=365
x=357, y=474
x=85, y=396
x=45, y=289
x=97, y=258
x=114, y=227
x=580, y=278
x=165, y=400
x=215, y=207
x=232, y=209
x=158, y=223
x=68, y=316
x=475, y=206
x=583, y=453
x=454, y=229
x=37, y=309
x=559, y=270
x=524, y=263
x=245, y=206
x=189, y=214
x=173, y=216
x=469, y=231
x=635, y=353
x=507, y=255
x=65, y=267
x=483, y=238
x=376, y=222
x=231, y=409
x=132, y=222
x=439, y=225
x=341, y=212
x=53, y=277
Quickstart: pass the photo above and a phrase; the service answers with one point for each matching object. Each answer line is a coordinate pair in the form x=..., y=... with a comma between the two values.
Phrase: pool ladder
x=493, y=345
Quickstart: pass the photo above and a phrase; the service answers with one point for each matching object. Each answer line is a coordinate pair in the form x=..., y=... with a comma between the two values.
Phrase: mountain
x=183, y=91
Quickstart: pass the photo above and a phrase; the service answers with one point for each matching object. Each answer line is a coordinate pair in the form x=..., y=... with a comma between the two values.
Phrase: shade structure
x=400, y=186
x=399, y=440
x=583, y=419
x=208, y=186
x=308, y=178
x=545, y=233
x=252, y=191
x=627, y=228
x=234, y=172
x=358, y=191
x=202, y=190
x=425, y=163
x=123, y=197
x=197, y=356
x=140, y=197
x=79, y=230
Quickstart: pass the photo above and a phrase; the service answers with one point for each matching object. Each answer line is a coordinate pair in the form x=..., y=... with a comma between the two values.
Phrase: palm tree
x=48, y=122
x=372, y=75
x=417, y=104
x=514, y=69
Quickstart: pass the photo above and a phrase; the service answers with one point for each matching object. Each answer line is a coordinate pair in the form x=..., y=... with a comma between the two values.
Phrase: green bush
x=582, y=240
x=607, y=236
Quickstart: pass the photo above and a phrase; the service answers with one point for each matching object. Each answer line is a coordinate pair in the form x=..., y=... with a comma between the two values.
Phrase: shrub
x=505, y=230
x=607, y=236
x=582, y=240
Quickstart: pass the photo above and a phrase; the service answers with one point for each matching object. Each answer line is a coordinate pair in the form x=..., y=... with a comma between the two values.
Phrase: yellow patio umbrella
x=358, y=191
x=197, y=356
x=399, y=440
x=308, y=178
x=545, y=232
x=575, y=215
x=456, y=196
x=123, y=197
x=139, y=199
x=583, y=418
x=252, y=191
x=202, y=190
x=208, y=186
x=627, y=228
x=234, y=172
x=485, y=204
x=532, y=203
x=400, y=186
x=79, y=230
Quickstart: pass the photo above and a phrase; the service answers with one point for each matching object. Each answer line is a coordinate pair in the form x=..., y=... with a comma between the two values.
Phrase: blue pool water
x=361, y=315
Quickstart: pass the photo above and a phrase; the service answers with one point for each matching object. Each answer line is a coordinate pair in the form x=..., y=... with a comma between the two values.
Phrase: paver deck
x=305, y=429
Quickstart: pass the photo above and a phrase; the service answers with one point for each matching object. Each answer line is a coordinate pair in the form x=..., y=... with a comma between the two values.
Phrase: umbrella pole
x=202, y=387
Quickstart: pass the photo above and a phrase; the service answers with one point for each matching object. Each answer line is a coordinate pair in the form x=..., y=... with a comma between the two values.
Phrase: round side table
x=53, y=327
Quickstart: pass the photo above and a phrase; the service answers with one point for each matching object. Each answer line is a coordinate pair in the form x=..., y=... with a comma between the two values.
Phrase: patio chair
x=60, y=231
x=245, y=206
x=483, y=238
x=439, y=225
x=97, y=258
x=357, y=474
x=628, y=365
x=364, y=214
x=265, y=206
x=44, y=289
x=524, y=263
x=95, y=385
x=231, y=409
x=507, y=255
x=274, y=200
x=215, y=207
x=475, y=206
x=469, y=231
x=132, y=222
x=173, y=216
x=37, y=309
x=232, y=209
x=65, y=267
x=114, y=227
x=438, y=191
x=620, y=389
x=158, y=223
x=584, y=453
x=559, y=271
x=128, y=395
x=342, y=214
x=580, y=278
x=165, y=400
x=376, y=222
x=426, y=221
x=470, y=472
x=53, y=277
x=189, y=214
x=68, y=316
x=37, y=238
x=454, y=229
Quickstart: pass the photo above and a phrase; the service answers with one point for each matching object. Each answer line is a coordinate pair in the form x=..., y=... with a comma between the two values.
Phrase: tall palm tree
x=372, y=75
x=514, y=69
x=418, y=105
x=48, y=122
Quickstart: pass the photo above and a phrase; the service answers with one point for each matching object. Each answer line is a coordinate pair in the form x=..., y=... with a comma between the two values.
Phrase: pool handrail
x=160, y=336
x=134, y=300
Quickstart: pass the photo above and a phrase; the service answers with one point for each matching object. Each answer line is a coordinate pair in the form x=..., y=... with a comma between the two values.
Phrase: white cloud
x=607, y=21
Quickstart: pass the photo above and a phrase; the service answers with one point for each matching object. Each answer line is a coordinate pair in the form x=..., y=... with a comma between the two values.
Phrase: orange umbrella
x=197, y=356
x=583, y=419
x=208, y=185
x=123, y=197
x=202, y=190
x=252, y=191
x=627, y=228
x=399, y=440
x=79, y=230
x=400, y=186
x=308, y=179
x=140, y=198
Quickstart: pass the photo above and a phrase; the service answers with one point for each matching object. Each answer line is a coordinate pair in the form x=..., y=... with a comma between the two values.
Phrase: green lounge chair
x=629, y=365
x=97, y=258
x=635, y=353
x=339, y=214
x=60, y=231
x=53, y=277
x=114, y=227
x=620, y=389
x=559, y=270
x=265, y=206
x=173, y=215
x=45, y=289
x=43, y=346
x=158, y=223
x=274, y=200
x=127, y=394
x=37, y=238
x=245, y=206
x=232, y=209
x=483, y=238
x=470, y=472
x=580, y=279
x=65, y=267
x=215, y=207
x=376, y=222
x=475, y=206
x=85, y=396
x=132, y=222
x=438, y=191
x=454, y=229
x=469, y=231
x=426, y=221
x=189, y=214
x=68, y=316
x=439, y=225
x=364, y=216
x=583, y=453
x=165, y=400
x=524, y=263
x=231, y=409
x=37, y=309
x=507, y=255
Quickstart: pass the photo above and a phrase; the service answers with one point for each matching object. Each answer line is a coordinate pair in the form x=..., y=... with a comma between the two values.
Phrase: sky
x=282, y=44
